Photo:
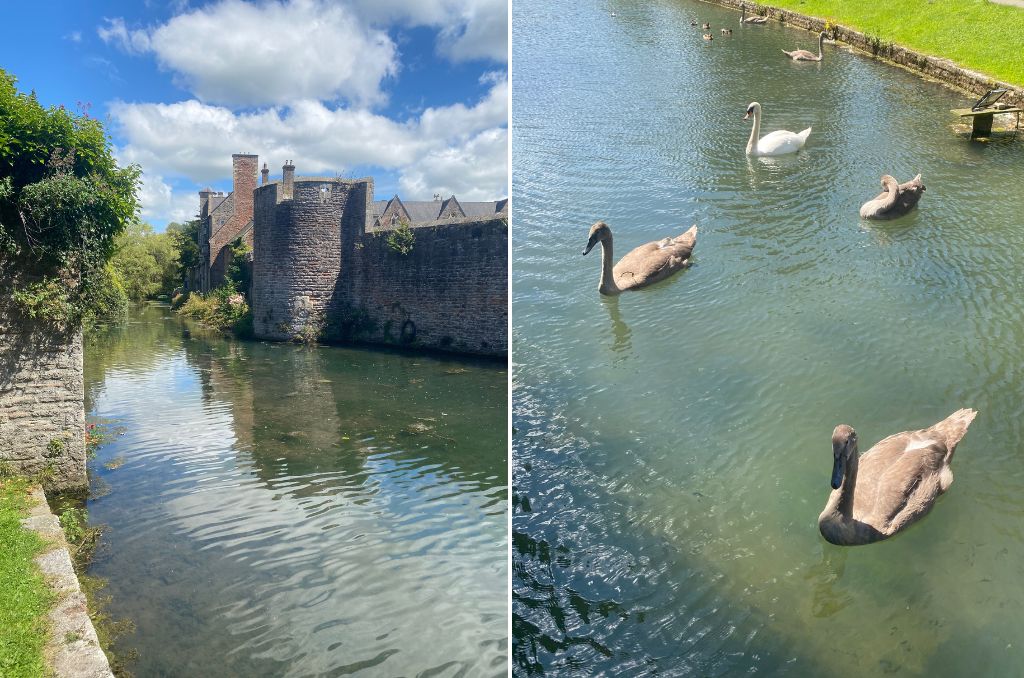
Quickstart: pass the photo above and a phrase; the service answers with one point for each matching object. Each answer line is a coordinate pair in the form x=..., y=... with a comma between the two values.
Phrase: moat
x=275, y=509
x=671, y=447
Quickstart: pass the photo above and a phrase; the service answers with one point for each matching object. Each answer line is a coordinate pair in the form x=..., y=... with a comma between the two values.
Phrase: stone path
x=73, y=650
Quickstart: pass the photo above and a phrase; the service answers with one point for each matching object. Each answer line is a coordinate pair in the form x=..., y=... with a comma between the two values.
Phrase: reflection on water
x=671, y=446
x=286, y=510
x=621, y=344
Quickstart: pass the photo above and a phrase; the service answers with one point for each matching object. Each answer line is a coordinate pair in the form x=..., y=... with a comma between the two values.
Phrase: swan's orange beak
x=746, y=116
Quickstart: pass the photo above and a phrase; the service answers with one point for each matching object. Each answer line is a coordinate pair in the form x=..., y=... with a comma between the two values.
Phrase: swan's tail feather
x=687, y=241
x=954, y=427
x=689, y=237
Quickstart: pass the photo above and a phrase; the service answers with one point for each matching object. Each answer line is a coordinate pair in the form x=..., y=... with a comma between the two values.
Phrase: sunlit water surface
x=672, y=447
x=278, y=510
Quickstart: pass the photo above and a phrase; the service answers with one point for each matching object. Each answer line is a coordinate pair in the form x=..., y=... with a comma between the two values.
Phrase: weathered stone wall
x=318, y=274
x=297, y=257
x=449, y=293
x=42, y=408
x=938, y=68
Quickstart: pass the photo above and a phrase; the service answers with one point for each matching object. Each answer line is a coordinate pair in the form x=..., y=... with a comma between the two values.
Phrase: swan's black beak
x=590, y=246
x=837, y=473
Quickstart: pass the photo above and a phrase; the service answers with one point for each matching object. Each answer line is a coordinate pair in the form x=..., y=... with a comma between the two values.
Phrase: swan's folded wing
x=648, y=264
x=895, y=476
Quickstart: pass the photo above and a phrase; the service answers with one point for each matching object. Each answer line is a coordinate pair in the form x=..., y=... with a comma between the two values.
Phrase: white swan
x=779, y=142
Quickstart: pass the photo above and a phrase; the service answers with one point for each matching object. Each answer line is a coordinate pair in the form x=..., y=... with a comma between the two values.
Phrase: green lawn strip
x=976, y=34
x=24, y=595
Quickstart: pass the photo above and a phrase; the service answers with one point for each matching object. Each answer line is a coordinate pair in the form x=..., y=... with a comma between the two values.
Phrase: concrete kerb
x=72, y=648
x=938, y=69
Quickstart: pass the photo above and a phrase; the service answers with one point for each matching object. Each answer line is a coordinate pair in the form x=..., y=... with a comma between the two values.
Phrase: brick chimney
x=243, y=176
x=287, y=180
x=266, y=175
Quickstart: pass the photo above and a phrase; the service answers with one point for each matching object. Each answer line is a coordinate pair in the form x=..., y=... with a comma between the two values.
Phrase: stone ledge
x=936, y=68
x=72, y=649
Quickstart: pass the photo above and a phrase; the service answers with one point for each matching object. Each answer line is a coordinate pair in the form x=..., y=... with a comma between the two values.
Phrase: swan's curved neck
x=846, y=490
x=821, y=41
x=607, y=285
x=892, y=188
x=755, y=132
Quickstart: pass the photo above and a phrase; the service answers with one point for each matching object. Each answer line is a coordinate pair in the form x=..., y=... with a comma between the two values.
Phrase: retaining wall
x=42, y=402
x=938, y=68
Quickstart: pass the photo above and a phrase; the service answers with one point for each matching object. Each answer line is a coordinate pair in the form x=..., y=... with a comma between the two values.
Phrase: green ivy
x=63, y=201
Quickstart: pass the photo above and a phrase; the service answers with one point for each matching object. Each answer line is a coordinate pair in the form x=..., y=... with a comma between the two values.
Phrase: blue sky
x=413, y=93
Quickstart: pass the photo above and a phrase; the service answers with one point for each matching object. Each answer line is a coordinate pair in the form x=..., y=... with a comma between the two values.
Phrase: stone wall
x=943, y=70
x=449, y=293
x=42, y=408
x=317, y=274
x=297, y=254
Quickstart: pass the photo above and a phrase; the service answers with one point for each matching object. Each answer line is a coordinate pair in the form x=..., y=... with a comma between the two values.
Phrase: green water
x=279, y=510
x=672, y=446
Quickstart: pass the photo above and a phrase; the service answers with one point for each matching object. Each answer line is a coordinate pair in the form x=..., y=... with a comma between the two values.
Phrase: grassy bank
x=24, y=593
x=976, y=34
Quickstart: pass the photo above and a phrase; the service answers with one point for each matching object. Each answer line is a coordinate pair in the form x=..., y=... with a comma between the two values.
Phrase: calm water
x=672, y=447
x=283, y=510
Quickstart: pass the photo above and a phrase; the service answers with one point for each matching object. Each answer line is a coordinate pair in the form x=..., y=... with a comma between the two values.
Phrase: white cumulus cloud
x=450, y=149
x=242, y=54
x=467, y=29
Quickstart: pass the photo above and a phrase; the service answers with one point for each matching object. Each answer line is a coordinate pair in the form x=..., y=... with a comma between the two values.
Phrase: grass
x=976, y=34
x=26, y=598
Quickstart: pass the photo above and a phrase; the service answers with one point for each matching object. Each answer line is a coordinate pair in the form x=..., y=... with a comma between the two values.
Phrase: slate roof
x=423, y=211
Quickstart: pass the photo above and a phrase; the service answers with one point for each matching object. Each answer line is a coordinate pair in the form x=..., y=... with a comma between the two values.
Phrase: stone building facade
x=325, y=266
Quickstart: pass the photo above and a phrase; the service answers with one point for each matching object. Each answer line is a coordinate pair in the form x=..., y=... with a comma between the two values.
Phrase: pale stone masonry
x=42, y=402
x=72, y=648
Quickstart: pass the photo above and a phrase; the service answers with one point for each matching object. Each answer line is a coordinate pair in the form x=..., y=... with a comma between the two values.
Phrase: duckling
x=706, y=27
x=693, y=22
x=708, y=36
x=726, y=31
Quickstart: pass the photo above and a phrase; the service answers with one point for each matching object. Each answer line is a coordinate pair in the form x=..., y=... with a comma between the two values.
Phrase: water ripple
x=671, y=446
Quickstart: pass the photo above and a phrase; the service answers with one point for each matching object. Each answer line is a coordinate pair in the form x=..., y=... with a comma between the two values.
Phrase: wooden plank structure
x=982, y=126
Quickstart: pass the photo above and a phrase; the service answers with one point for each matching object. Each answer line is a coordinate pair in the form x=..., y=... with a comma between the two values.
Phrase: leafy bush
x=224, y=309
x=63, y=201
x=401, y=239
x=240, y=268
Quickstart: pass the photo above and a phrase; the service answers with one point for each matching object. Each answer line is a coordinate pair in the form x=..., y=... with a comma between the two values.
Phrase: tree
x=63, y=202
x=185, y=242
